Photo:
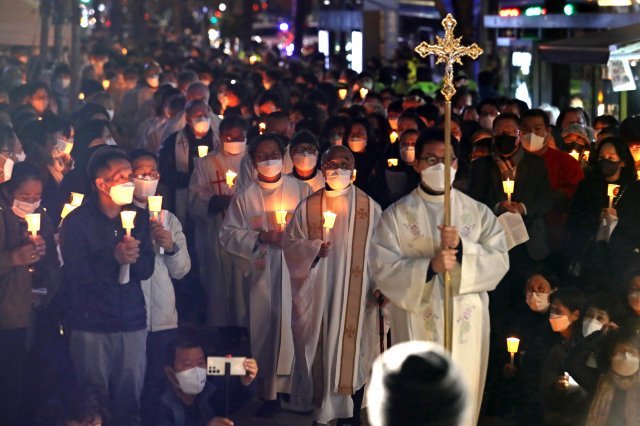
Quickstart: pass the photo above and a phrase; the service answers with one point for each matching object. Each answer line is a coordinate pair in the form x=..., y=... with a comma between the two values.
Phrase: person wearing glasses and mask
x=320, y=259
x=210, y=193
x=412, y=250
x=304, y=153
x=252, y=232
x=172, y=261
x=107, y=319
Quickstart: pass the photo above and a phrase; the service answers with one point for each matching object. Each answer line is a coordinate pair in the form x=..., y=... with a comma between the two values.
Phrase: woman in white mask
x=616, y=398
x=303, y=149
x=563, y=401
x=8, y=158
x=359, y=136
x=252, y=233
x=21, y=253
x=399, y=176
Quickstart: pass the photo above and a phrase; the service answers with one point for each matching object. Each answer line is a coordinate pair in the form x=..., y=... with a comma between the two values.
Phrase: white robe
x=319, y=302
x=223, y=281
x=248, y=172
x=316, y=182
x=252, y=210
x=404, y=244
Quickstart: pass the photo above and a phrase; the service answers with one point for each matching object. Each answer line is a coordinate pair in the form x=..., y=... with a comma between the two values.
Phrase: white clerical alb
x=404, y=244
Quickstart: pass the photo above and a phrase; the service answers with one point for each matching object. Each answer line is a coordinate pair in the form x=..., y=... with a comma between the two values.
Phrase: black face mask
x=504, y=144
x=608, y=168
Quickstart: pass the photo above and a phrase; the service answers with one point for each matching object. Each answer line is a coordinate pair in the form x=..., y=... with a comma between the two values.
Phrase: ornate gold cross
x=449, y=51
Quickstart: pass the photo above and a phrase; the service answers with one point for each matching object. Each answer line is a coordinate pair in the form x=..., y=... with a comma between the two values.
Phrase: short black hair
x=100, y=160
x=611, y=340
x=521, y=105
x=630, y=129
x=607, y=119
x=141, y=153
x=182, y=341
x=491, y=102
x=233, y=121
x=568, y=110
x=628, y=173
x=258, y=140
x=608, y=303
x=433, y=135
x=506, y=116
x=571, y=297
x=86, y=403
x=533, y=113
x=303, y=136
x=21, y=173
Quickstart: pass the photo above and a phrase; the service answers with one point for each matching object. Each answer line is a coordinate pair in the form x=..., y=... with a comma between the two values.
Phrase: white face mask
x=625, y=364
x=433, y=177
x=110, y=141
x=21, y=157
x=201, y=125
x=532, y=142
x=234, y=147
x=305, y=162
x=590, y=325
x=153, y=81
x=357, y=144
x=144, y=188
x=64, y=146
x=270, y=168
x=7, y=169
x=338, y=179
x=65, y=83
x=408, y=154
x=486, y=122
x=110, y=113
x=122, y=194
x=559, y=323
x=538, y=302
x=192, y=381
x=22, y=208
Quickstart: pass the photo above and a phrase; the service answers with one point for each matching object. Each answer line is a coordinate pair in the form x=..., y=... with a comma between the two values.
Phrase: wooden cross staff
x=448, y=50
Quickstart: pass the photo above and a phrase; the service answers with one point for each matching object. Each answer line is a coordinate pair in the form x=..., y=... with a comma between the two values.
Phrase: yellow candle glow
x=329, y=219
x=68, y=208
x=203, y=150
x=355, y=173
x=76, y=199
x=231, y=178
x=81, y=96
x=585, y=155
x=262, y=127
x=124, y=51
x=155, y=204
x=281, y=217
x=363, y=92
x=512, y=347
x=106, y=84
x=392, y=162
x=638, y=174
x=612, y=192
x=508, y=186
x=127, y=217
x=575, y=155
x=342, y=94
x=393, y=136
x=33, y=223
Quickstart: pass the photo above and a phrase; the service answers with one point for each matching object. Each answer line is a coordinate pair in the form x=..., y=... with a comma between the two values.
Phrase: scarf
x=599, y=411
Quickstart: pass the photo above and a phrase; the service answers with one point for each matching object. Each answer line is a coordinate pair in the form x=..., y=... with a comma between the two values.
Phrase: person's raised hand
x=25, y=255
x=127, y=251
x=161, y=236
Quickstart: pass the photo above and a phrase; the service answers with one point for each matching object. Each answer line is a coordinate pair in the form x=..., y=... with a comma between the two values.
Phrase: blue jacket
x=93, y=299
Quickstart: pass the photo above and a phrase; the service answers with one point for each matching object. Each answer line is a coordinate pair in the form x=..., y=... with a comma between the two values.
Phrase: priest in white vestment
x=411, y=251
x=303, y=149
x=334, y=319
x=210, y=190
x=252, y=232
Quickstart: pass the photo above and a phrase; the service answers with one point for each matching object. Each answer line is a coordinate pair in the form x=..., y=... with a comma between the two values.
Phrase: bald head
x=198, y=92
x=339, y=153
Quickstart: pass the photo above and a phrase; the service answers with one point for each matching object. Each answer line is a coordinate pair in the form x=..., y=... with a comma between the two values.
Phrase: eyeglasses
x=432, y=160
x=302, y=150
x=335, y=165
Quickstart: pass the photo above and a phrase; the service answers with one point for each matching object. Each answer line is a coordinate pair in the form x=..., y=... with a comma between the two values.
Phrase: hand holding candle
x=508, y=186
x=512, y=347
x=231, y=178
x=127, y=217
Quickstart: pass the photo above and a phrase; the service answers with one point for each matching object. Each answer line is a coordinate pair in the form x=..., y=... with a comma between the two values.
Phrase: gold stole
x=351, y=332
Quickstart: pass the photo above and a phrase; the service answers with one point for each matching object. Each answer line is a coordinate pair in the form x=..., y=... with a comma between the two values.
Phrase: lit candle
x=512, y=347
x=81, y=96
x=575, y=155
x=124, y=51
x=638, y=172
x=262, y=127
x=612, y=192
x=155, y=205
x=508, y=185
x=329, y=219
x=68, y=208
x=393, y=136
x=106, y=84
x=355, y=172
x=342, y=94
x=363, y=92
x=33, y=223
x=127, y=217
x=231, y=178
x=203, y=150
x=585, y=156
x=281, y=218
x=76, y=199
x=392, y=162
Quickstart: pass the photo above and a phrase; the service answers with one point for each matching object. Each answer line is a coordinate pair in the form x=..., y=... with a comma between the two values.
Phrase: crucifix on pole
x=448, y=50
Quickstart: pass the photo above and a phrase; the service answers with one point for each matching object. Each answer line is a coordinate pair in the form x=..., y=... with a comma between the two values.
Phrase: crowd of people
x=302, y=210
